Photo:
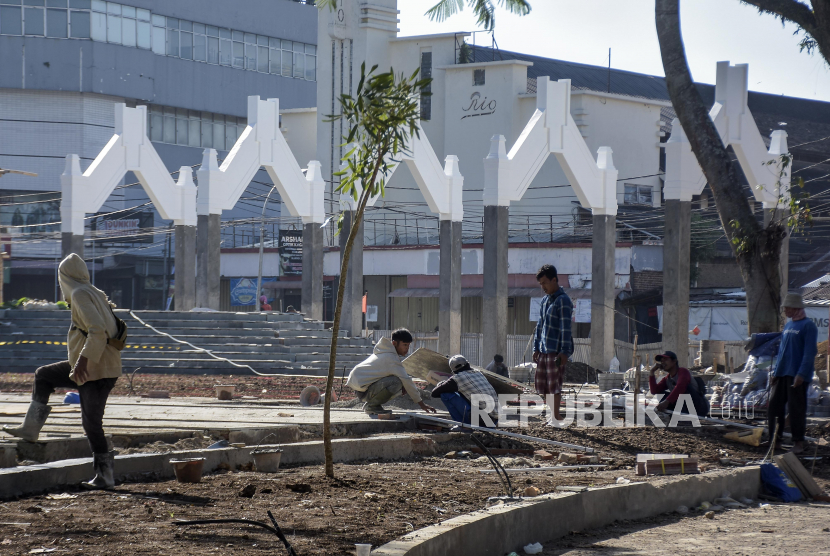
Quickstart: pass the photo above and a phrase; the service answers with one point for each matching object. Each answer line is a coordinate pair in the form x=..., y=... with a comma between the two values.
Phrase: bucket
x=267, y=461
x=188, y=470
x=610, y=381
x=225, y=391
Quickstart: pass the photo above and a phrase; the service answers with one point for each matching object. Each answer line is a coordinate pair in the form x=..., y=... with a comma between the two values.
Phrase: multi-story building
x=64, y=64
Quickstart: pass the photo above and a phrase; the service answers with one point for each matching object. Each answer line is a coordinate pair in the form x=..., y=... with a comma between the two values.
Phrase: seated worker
x=382, y=377
x=263, y=303
x=679, y=381
x=497, y=366
x=456, y=392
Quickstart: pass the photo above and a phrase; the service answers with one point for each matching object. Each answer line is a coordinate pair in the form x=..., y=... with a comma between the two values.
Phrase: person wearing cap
x=382, y=376
x=793, y=373
x=263, y=303
x=457, y=391
x=677, y=382
x=552, y=340
x=497, y=366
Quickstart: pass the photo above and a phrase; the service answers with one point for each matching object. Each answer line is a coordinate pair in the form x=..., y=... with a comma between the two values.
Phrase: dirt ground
x=280, y=388
x=368, y=502
x=773, y=530
x=372, y=502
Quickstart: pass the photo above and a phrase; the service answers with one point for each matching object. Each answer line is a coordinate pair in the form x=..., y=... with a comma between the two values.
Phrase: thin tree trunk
x=758, y=259
x=344, y=268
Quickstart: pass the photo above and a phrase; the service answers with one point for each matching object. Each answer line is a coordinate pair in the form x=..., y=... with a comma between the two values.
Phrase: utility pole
x=261, y=249
x=166, y=289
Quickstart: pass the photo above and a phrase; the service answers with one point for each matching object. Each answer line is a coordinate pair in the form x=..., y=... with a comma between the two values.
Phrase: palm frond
x=444, y=9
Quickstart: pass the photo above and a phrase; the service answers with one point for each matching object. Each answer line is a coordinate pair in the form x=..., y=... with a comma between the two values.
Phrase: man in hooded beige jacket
x=93, y=367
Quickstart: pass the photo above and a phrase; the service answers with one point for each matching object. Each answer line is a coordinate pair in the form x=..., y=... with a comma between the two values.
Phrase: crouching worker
x=457, y=392
x=93, y=367
x=678, y=381
x=382, y=377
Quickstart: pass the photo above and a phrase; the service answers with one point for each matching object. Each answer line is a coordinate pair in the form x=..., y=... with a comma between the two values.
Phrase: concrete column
x=494, y=306
x=449, y=303
x=185, y=298
x=784, y=266
x=71, y=243
x=351, y=317
x=208, y=240
x=602, y=291
x=313, y=271
x=676, y=248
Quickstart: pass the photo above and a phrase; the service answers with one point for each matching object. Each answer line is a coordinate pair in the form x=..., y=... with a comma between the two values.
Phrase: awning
x=574, y=293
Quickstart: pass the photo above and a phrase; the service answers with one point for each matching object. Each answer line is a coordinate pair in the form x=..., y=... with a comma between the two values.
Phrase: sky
x=583, y=31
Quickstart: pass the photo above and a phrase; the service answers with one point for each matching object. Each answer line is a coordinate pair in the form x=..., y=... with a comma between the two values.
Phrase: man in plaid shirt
x=552, y=342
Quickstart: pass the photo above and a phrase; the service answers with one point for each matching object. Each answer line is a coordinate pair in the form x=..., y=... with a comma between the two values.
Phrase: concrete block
x=543, y=454
x=276, y=435
x=22, y=481
x=8, y=455
x=56, y=449
x=553, y=516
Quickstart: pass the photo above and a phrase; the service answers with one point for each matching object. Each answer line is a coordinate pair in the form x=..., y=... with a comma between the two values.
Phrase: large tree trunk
x=757, y=249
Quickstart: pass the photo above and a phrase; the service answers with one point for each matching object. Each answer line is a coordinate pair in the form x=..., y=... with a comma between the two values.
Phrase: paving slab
x=131, y=414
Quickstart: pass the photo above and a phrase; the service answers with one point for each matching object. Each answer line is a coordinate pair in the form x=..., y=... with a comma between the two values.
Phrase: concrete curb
x=549, y=517
x=22, y=481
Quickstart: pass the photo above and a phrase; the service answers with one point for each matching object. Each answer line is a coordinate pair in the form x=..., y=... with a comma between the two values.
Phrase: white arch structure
x=261, y=145
x=507, y=175
x=130, y=150
x=768, y=180
x=442, y=188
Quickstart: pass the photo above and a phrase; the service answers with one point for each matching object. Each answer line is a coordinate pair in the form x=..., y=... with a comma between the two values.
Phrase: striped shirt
x=553, y=331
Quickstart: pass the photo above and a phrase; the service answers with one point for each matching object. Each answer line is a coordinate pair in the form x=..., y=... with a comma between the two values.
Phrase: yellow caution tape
x=57, y=343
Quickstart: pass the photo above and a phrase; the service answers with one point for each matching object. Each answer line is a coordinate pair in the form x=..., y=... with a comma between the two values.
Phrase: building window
x=478, y=77
x=33, y=21
x=426, y=92
x=117, y=23
x=638, y=194
x=11, y=20
x=191, y=128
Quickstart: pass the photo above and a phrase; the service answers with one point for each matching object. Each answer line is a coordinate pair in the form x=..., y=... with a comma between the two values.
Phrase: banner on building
x=582, y=310
x=730, y=324
x=243, y=291
x=291, y=252
x=124, y=227
x=535, y=308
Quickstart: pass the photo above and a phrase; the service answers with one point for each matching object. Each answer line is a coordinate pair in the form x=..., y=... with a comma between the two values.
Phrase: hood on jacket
x=73, y=276
x=385, y=346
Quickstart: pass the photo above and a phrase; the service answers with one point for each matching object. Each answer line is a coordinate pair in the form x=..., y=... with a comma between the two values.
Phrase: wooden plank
x=800, y=476
x=423, y=361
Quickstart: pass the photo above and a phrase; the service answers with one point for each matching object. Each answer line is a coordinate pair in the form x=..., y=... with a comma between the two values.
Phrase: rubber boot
x=103, y=466
x=32, y=423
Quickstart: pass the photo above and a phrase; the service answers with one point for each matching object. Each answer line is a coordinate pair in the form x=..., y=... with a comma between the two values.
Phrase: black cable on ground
x=214, y=521
x=505, y=482
x=278, y=531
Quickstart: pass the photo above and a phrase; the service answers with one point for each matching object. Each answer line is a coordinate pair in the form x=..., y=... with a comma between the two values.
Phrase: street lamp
x=261, y=249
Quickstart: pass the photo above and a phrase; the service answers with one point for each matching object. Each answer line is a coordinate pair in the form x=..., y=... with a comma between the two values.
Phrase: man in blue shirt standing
x=552, y=341
x=793, y=373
